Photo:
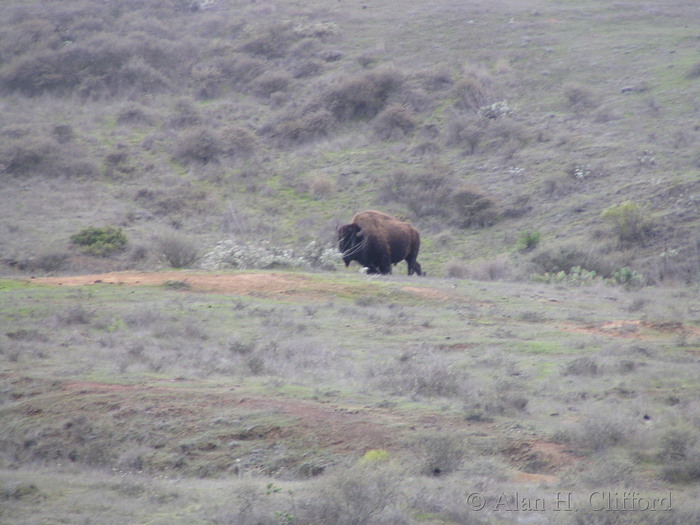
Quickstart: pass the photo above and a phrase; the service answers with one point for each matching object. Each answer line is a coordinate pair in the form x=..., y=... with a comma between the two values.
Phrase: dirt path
x=266, y=284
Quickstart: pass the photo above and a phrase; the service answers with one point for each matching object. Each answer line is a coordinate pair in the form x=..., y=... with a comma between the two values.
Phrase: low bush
x=297, y=128
x=425, y=194
x=528, y=241
x=238, y=142
x=50, y=261
x=357, y=495
x=471, y=93
x=628, y=278
x=363, y=96
x=184, y=115
x=271, y=42
x=322, y=187
x=177, y=250
x=438, y=453
x=424, y=374
x=582, y=366
x=578, y=97
x=394, y=122
x=25, y=155
x=100, y=241
x=466, y=133
x=230, y=254
x=694, y=71
x=496, y=269
x=596, y=433
x=455, y=269
x=95, y=66
x=134, y=115
x=575, y=276
x=629, y=222
x=271, y=82
x=472, y=208
x=566, y=257
x=198, y=145
x=63, y=133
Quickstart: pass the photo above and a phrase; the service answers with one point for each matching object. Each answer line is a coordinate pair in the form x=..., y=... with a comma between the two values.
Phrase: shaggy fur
x=377, y=240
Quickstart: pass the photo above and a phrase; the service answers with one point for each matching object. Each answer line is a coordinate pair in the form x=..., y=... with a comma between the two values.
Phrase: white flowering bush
x=496, y=110
x=263, y=255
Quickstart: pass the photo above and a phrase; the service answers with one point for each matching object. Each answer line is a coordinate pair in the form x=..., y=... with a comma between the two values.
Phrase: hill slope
x=275, y=121
x=245, y=397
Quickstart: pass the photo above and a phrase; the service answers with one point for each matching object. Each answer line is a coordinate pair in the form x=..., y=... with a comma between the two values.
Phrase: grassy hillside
x=271, y=121
x=271, y=398
x=546, y=151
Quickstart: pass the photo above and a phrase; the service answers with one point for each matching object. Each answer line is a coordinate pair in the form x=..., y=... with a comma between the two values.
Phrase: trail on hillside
x=268, y=284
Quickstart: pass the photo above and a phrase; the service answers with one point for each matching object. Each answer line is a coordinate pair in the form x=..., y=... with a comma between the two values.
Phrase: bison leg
x=385, y=264
x=413, y=265
x=414, y=268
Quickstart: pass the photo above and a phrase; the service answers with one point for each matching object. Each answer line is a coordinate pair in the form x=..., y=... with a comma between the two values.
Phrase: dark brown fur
x=377, y=240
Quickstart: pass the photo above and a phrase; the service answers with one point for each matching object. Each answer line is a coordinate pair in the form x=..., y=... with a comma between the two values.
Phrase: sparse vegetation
x=268, y=384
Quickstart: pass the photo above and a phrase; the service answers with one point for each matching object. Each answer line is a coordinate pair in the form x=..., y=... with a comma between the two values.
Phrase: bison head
x=350, y=242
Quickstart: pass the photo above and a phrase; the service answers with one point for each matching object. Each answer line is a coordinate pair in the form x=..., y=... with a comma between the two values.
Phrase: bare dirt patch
x=632, y=329
x=271, y=284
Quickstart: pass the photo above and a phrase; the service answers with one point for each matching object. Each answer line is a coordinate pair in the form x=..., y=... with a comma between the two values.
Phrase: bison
x=377, y=240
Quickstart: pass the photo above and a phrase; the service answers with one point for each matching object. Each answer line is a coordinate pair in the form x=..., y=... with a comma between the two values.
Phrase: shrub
x=238, y=142
x=528, y=241
x=212, y=78
x=184, y=115
x=582, y=366
x=472, y=92
x=63, y=133
x=455, y=269
x=628, y=278
x=495, y=269
x=694, y=71
x=50, y=261
x=566, y=257
x=177, y=250
x=472, y=208
x=598, y=433
x=363, y=96
x=198, y=145
x=576, y=276
x=496, y=110
x=466, y=133
x=355, y=496
x=425, y=374
x=271, y=82
x=271, y=42
x=297, y=129
x=438, y=453
x=425, y=194
x=578, y=96
x=102, y=65
x=628, y=222
x=25, y=155
x=229, y=254
x=100, y=241
x=394, y=122
x=321, y=187
x=133, y=115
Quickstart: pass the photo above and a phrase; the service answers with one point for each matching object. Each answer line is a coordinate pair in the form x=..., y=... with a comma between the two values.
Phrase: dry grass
x=273, y=122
